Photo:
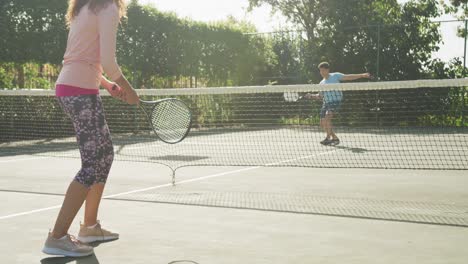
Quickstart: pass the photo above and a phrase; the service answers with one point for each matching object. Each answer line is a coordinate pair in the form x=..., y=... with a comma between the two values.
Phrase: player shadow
x=63, y=260
x=93, y=260
x=183, y=262
x=353, y=150
x=82, y=260
x=98, y=243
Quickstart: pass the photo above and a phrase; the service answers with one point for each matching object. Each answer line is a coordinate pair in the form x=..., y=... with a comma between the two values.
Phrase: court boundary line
x=24, y=159
x=129, y=192
x=167, y=185
x=295, y=212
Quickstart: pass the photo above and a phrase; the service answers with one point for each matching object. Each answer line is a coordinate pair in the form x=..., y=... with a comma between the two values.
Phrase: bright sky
x=214, y=10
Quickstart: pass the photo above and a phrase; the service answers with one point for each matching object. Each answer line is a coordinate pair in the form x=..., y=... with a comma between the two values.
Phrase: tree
x=380, y=36
x=156, y=45
x=157, y=49
x=304, y=13
x=458, y=8
x=32, y=31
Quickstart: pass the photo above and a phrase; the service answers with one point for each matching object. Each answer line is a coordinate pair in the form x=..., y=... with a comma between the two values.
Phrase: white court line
x=197, y=144
x=25, y=159
x=135, y=191
x=30, y=212
x=301, y=158
x=182, y=182
x=167, y=185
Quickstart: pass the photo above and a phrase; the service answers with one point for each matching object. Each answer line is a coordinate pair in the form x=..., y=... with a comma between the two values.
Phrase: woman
x=90, y=51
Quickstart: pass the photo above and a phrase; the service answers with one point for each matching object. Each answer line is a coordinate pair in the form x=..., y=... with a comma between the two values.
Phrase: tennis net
x=420, y=124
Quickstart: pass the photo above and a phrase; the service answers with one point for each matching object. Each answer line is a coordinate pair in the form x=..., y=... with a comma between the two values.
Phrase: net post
x=465, y=73
x=463, y=106
x=464, y=56
x=378, y=53
x=135, y=121
x=135, y=82
x=173, y=177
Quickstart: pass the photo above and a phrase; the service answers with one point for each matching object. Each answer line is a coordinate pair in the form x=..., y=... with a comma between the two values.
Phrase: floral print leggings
x=92, y=135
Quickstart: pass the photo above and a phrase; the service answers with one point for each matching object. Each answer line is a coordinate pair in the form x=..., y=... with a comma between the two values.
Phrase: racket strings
x=171, y=119
x=291, y=96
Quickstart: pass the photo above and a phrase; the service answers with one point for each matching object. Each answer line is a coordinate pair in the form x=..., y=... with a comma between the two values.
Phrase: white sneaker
x=96, y=233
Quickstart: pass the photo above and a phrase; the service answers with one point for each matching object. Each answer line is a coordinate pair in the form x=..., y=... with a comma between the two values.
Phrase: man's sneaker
x=66, y=246
x=325, y=142
x=95, y=233
x=335, y=142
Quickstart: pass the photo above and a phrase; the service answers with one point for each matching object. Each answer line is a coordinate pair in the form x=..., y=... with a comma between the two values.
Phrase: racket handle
x=116, y=92
x=115, y=89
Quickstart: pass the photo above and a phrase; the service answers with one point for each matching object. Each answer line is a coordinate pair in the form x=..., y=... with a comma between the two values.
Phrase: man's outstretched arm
x=352, y=77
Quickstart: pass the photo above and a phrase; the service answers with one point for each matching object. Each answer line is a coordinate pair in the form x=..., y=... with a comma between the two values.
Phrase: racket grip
x=115, y=89
x=116, y=92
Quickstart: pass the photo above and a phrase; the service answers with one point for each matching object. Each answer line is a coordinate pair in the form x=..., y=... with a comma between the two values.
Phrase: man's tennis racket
x=292, y=97
x=170, y=118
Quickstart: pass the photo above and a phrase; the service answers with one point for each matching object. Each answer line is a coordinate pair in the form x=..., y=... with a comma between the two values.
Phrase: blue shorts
x=329, y=107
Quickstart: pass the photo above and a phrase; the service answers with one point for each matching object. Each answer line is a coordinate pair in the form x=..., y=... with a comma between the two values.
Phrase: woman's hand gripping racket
x=170, y=118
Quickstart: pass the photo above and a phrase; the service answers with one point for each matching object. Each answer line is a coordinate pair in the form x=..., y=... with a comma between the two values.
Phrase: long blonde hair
x=74, y=7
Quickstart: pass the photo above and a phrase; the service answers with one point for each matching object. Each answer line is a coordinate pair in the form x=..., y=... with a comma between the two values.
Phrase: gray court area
x=261, y=212
x=402, y=148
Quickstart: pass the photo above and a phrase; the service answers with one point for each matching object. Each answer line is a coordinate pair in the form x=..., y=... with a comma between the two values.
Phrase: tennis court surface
x=252, y=182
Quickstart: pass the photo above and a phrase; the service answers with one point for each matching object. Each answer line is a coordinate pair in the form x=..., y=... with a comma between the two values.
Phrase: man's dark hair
x=324, y=65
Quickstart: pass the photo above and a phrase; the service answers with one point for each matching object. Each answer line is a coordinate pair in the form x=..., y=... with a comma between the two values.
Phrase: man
x=332, y=100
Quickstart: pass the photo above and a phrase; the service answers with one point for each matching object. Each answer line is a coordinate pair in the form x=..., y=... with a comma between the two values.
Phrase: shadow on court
x=183, y=262
x=63, y=260
x=93, y=260
x=353, y=150
x=83, y=260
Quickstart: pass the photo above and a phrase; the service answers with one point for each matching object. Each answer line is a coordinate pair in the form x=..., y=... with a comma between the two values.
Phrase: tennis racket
x=170, y=119
x=292, y=97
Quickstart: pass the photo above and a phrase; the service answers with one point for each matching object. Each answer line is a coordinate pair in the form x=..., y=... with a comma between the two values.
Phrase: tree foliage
x=155, y=48
x=458, y=8
x=159, y=49
x=392, y=40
